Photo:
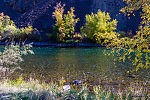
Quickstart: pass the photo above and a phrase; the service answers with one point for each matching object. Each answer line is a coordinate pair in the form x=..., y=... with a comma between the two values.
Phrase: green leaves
x=99, y=28
x=12, y=54
x=9, y=29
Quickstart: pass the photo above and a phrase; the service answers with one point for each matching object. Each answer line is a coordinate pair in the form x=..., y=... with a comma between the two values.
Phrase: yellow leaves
x=65, y=23
x=58, y=13
x=146, y=50
x=2, y=14
x=147, y=65
x=72, y=10
x=140, y=65
x=137, y=49
x=122, y=10
x=99, y=28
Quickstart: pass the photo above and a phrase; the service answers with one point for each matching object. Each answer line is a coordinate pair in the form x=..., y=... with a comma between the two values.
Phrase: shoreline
x=44, y=44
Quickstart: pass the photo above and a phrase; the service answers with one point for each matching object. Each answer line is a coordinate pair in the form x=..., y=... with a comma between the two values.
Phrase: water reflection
x=86, y=64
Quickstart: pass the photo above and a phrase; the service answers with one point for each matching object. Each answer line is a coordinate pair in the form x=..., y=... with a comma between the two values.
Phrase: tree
x=9, y=30
x=65, y=23
x=134, y=5
x=99, y=28
x=135, y=49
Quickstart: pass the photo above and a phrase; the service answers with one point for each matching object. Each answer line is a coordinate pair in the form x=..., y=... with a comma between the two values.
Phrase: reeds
x=35, y=90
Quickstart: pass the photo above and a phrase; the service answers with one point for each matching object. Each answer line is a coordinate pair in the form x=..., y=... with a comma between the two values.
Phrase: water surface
x=86, y=64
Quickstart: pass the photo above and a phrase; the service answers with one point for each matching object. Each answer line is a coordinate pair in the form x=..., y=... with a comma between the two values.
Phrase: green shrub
x=6, y=23
x=99, y=28
x=65, y=23
x=13, y=53
x=69, y=41
x=9, y=29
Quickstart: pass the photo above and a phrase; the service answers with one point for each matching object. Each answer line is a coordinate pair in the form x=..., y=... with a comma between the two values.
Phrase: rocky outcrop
x=22, y=5
x=7, y=10
x=30, y=16
x=38, y=13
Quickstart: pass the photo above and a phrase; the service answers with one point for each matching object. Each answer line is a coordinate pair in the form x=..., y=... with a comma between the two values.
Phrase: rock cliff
x=8, y=10
x=39, y=12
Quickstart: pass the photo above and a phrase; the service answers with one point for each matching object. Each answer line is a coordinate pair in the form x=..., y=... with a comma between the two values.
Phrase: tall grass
x=35, y=90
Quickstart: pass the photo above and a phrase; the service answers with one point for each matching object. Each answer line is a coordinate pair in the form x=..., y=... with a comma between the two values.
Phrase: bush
x=6, y=23
x=8, y=29
x=12, y=54
x=65, y=23
x=99, y=28
x=24, y=33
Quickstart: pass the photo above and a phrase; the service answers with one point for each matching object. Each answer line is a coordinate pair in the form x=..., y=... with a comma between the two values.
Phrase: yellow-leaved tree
x=10, y=30
x=99, y=27
x=135, y=49
x=65, y=23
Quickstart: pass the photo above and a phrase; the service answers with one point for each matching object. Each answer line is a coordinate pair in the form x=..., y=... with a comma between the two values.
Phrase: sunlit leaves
x=12, y=54
x=65, y=23
x=9, y=29
x=135, y=49
x=4, y=21
x=99, y=28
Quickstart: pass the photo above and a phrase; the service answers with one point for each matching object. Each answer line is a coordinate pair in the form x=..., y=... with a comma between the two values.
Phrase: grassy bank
x=35, y=90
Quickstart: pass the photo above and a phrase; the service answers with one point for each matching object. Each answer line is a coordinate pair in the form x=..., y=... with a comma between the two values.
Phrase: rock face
x=39, y=12
x=22, y=5
x=7, y=10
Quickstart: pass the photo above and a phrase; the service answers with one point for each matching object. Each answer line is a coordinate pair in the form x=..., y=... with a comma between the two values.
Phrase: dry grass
x=34, y=90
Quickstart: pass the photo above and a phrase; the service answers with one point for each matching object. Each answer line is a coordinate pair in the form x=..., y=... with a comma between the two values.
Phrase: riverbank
x=35, y=90
x=44, y=44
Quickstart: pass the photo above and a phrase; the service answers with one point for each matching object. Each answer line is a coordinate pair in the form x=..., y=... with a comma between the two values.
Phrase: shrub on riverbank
x=12, y=55
x=65, y=23
x=99, y=28
x=9, y=31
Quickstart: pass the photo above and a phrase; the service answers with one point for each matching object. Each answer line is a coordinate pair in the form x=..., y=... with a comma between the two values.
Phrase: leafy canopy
x=9, y=29
x=135, y=49
x=65, y=23
x=99, y=28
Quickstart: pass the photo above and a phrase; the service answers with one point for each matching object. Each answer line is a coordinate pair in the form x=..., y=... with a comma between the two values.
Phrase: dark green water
x=86, y=64
x=89, y=64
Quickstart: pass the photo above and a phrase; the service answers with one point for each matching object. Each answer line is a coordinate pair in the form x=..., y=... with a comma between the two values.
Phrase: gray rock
x=66, y=87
